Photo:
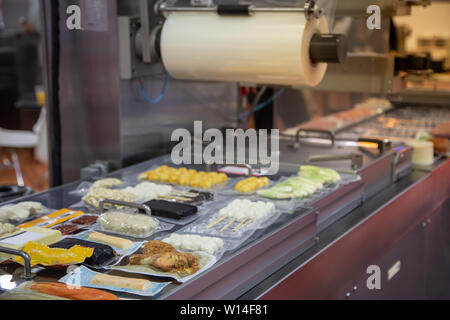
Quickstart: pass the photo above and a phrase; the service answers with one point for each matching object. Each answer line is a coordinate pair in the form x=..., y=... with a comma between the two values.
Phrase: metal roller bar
x=252, y=9
x=310, y=9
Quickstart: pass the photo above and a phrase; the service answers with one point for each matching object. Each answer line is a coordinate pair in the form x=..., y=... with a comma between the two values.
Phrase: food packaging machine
x=340, y=232
x=386, y=213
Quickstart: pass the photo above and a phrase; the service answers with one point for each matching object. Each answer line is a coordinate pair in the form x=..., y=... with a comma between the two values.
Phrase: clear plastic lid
x=22, y=212
x=189, y=242
x=236, y=219
x=134, y=225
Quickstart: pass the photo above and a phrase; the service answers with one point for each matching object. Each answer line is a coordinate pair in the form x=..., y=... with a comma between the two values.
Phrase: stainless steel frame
x=105, y=118
x=27, y=276
x=103, y=115
x=310, y=10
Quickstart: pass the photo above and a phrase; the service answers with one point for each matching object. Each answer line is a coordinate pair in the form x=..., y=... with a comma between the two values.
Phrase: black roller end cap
x=328, y=48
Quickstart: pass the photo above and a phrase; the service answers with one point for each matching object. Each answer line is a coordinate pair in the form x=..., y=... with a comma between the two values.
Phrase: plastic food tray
x=161, y=226
x=31, y=217
x=83, y=276
x=119, y=251
x=206, y=261
x=289, y=205
x=200, y=226
x=228, y=244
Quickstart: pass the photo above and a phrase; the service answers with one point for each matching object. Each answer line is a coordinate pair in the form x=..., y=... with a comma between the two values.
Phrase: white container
x=423, y=152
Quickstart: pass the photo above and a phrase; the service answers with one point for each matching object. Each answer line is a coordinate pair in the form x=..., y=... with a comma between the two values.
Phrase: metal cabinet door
x=437, y=254
x=402, y=271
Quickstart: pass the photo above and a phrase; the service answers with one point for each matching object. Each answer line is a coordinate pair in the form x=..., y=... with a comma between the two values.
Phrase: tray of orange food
x=55, y=291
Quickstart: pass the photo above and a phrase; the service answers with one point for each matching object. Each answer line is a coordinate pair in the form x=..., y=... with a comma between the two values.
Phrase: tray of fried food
x=137, y=285
x=157, y=258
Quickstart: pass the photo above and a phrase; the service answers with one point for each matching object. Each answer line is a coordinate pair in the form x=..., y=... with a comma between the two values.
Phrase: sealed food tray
x=171, y=210
x=84, y=277
x=189, y=242
x=180, y=220
x=120, y=228
x=289, y=205
x=132, y=225
x=103, y=255
x=213, y=224
x=85, y=220
x=119, y=251
x=178, y=194
x=188, y=196
x=206, y=261
x=22, y=212
x=213, y=188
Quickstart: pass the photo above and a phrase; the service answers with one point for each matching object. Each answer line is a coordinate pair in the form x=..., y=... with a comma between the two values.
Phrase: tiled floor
x=35, y=173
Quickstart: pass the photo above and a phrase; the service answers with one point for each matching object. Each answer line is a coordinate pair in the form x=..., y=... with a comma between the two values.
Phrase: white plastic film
x=266, y=48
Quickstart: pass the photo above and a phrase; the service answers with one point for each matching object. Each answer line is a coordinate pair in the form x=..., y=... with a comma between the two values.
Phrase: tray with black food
x=173, y=212
x=103, y=254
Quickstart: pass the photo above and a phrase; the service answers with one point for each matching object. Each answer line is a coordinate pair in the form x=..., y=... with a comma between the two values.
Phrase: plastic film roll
x=267, y=48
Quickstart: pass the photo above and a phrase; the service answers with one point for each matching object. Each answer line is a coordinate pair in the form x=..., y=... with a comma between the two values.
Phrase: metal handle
x=144, y=207
x=380, y=143
x=249, y=168
x=26, y=258
x=17, y=169
x=328, y=135
x=356, y=159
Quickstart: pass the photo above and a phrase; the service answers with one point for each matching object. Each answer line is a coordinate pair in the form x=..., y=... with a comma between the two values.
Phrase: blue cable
x=262, y=105
x=161, y=96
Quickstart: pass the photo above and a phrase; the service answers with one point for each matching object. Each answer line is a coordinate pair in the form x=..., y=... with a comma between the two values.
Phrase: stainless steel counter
x=301, y=257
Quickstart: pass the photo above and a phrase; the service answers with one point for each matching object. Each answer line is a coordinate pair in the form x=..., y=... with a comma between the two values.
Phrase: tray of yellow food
x=185, y=177
x=43, y=255
x=245, y=186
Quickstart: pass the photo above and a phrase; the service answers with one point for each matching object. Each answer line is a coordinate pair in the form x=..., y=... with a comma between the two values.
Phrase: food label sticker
x=53, y=219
